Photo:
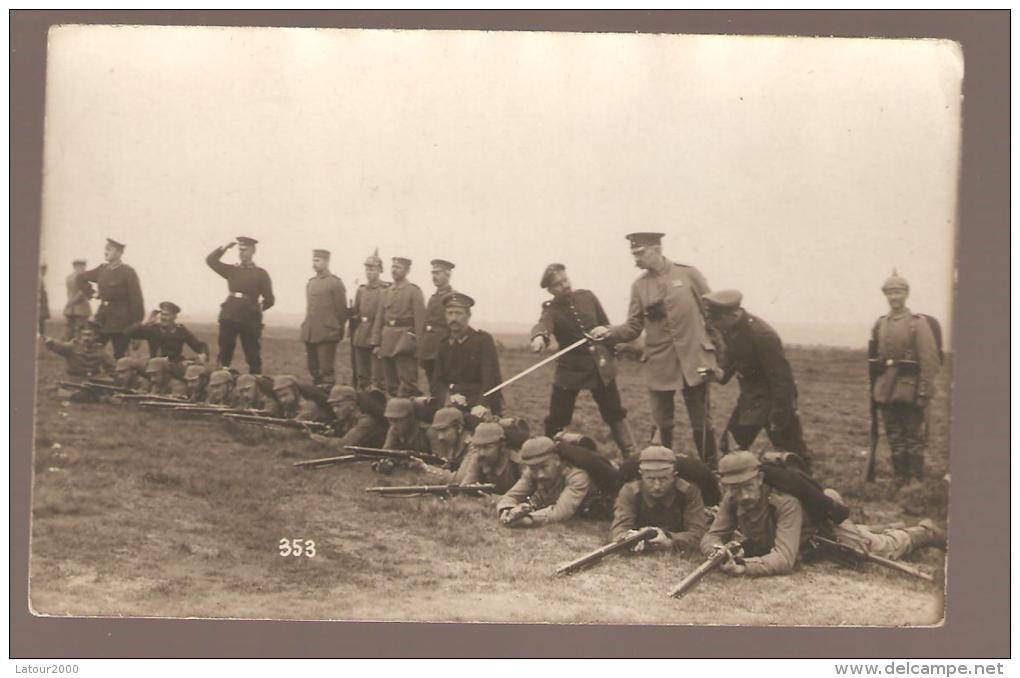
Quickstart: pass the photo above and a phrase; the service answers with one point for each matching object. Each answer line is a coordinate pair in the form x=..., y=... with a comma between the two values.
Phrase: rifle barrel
x=411, y=490
x=712, y=563
x=328, y=461
x=603, y=551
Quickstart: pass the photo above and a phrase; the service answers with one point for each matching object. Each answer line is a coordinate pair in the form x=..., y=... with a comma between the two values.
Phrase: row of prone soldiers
x=773, y=509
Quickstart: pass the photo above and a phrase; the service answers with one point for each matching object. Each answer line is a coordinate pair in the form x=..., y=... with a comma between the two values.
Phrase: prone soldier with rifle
x=489, y=460
x=358, y=418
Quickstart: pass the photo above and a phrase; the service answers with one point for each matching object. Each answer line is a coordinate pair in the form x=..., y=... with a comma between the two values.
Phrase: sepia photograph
x=495, y=326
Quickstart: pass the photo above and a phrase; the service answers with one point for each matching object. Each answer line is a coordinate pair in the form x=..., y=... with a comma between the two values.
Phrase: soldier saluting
x=251, y=293
x=666, y=302
x=768, y=393
x=435, y=319
x=398, y=326
x=120, y=296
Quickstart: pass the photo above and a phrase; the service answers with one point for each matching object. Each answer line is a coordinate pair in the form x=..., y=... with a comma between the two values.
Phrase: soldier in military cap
x=250, y=293
x=467, y=363
x=569, y=316
x=666, y=302
x=768, y=393
x=220, y=390
x=398, y=327
x=77, y=309
x=300, y=401
x=663, y=500
x=404, y=432
x=162, y=379
x=550, y=489
x=325, y=315
x=904, y=362
x=488, y=460
x=253, y=395
x=357, y=419
x=436, y=330
x=130, y=373
x=165, y=336
x=367, y=301
x=774, y=525
x=86, y=355
x=196, y=381
x=120, y=295
x=449, y=436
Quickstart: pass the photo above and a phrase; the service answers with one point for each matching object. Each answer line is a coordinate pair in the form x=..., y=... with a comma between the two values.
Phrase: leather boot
x=926, y=533
x=666, y=436
x=623, y=436
x=915, y=466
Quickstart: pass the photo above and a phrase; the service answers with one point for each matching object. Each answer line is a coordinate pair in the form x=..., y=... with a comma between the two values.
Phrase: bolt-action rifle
x=598, y=554
x=395, y=455
x=845, y=554
x=296, y=424
x=476, y=489
x=727, y=552
x=101, y=387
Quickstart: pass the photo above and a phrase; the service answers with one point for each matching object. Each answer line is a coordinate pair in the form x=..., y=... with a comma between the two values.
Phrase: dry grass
x=142, y=513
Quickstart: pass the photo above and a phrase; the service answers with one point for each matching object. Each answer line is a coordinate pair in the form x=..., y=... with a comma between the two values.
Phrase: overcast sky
x=800, y=171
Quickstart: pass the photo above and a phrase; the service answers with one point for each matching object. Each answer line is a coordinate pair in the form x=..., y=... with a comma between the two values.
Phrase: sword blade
x=534, y=367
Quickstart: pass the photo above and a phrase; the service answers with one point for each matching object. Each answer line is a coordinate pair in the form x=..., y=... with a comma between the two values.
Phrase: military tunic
x=250, y=293
x=435, y=324
x=367, y=301
x=77, y=309
x=360, y=429
x=503, y=475
x=557, y=504
x=166, y=342
x=398, y=326
x=121, y=303
x=83, y=360
x=417, y=441
x=323, y=326
x=681, y=515
x=469, y=366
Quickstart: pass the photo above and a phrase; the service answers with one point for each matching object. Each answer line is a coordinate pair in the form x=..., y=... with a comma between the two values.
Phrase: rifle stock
x=725, y=553
x=603, y=551
x=96, y=386
x=844, y=553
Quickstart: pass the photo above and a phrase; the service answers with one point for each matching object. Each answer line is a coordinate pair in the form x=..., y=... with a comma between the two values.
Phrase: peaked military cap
x=457, y=300
x=169, y=306
x=723, y=299
x=374, y=260
x=157, y=365
x=321, y=254
x=487, y=432
x=245, y=240
x=442, y=264
x=640, y=240
x=656, y=458
x=119, y=245
x=738, y=467
x=402, y=260
x=537, y=450
x=282, y=381
x=340, y=392
x=447, y=417
x=78, y=261
x=895, y=282
x=246, y=380
x=550, y=271
x=221, y=377
x=398, y=408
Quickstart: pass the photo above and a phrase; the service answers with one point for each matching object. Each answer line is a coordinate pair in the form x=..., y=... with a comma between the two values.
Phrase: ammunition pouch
x=908, y=368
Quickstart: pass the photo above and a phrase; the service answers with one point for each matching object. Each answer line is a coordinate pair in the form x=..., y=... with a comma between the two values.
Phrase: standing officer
x=325, y=315
x=367, y=301
x=77, y=309
x=436, y=330
x=165, y=336
x=467, y=362
x=398, y=326
x=904, y=366
x=768, y=393
x=666, y=302
x=120, y=296
x=569, y=316
x=251, y=293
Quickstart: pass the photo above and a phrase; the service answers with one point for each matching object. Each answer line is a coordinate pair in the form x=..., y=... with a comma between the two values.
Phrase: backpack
x=691, y=469
x=602, y=472
x=936, y=331
x=784, y=471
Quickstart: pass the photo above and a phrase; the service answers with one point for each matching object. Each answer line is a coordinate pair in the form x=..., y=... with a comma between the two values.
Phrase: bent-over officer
x=120, y=296
x=251, y=293
x=165, y=336
x=768, y=392
x=367, y=301
x=397, y=331
x=663, y=500
x=904, y=365
x=325, y=315
x=666, y=302
x=467, y=362
x=569, y=316
x=436, y=330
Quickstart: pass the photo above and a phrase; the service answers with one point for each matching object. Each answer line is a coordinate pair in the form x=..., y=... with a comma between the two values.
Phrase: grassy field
x=139, y=513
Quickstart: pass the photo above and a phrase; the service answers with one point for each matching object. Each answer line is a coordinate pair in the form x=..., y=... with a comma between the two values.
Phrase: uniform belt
x=364, y=318
x=398, y=322
x=431, y=328
x=239, y=295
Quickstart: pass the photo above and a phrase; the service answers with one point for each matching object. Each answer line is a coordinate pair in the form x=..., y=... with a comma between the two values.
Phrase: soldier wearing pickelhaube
x=323, y=326
x=768, y=393
x=435, y=319
x=251, y=293
x=120, y=296
x=666, y=302
x=397, y=331
x=367, y=301
x=904, y=364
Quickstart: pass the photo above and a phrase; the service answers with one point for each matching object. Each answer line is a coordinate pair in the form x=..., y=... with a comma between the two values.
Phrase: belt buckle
x=364, y=319
x=890, y=362
x=428, y=328
x=391, y=323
